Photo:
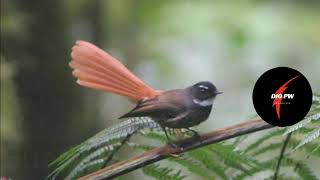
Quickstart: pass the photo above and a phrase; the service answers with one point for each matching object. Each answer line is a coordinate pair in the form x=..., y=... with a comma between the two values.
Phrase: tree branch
x=166, y=151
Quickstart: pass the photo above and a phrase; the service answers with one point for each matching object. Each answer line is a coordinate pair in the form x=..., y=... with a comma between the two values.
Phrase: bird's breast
x=196, y=115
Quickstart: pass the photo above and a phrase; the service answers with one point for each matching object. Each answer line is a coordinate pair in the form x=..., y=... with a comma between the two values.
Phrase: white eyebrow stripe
x=202, y=86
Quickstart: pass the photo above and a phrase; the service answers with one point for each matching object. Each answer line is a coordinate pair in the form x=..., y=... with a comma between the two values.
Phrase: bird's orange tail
x=96, y=69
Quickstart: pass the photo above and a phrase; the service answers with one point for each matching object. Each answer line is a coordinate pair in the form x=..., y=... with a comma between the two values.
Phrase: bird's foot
x=176, y=145
x=173, y=144
x=196, y=135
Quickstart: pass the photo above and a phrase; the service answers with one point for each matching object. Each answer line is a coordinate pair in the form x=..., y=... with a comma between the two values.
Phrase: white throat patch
x=207, y=102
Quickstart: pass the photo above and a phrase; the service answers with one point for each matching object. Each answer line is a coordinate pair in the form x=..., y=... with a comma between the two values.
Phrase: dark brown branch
x=166, y=151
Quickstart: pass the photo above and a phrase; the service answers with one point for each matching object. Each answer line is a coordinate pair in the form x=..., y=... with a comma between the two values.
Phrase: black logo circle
x=282, y=96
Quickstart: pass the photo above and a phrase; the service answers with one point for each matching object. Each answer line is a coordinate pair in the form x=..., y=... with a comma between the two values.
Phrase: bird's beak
x=218, y=92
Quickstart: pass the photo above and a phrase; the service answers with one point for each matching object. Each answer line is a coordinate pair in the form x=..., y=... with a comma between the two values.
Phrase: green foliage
x=232, y=158
x=225, y=160
x=315, y=133
x=261, y=155
x=162, y=173
x=97, y=151
x=310, y=137
x=300, y=168
x=262, y=139
x=205, y=158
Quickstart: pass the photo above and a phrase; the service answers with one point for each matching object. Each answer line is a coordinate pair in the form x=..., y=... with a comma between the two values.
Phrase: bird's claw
x=176, y=145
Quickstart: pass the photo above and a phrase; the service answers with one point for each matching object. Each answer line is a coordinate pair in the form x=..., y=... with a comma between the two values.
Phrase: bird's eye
x=203, y=88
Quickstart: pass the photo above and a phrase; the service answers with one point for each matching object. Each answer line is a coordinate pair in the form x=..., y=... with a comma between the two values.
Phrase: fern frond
x=262, y=139
x=140, y=146
x=122, y=129
x=83, y=164
x=265, y=166
x=156, y=136
x=301, y=169
x=109, y=136
x=193, y=166
x=239, y=139
x=302, y=123
x=232, y=158
x=65, y=156
x=205, y=157
x=162, y=173
x=245, y=175
x=268, y=148
x=63, y=161
x=310, y=147
x=316, y=151
x=76, y=172
x=316, y=99
x=310, y=137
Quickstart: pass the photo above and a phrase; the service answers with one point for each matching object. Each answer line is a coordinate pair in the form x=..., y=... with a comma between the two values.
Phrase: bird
x=178, y=108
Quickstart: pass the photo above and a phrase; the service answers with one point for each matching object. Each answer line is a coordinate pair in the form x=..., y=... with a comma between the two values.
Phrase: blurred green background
x=169, y=44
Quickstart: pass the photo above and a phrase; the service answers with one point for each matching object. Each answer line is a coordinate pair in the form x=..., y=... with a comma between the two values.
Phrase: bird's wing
x=167, y=105
x=153, y=108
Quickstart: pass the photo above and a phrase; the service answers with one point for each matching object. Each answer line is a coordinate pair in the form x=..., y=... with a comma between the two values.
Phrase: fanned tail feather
x=96, y=69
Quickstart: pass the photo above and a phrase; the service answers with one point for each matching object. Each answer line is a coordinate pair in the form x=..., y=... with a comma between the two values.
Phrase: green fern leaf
x=239, y=139
x=65, y=156
x=265, y=166
x=187, y=162
x=301, y=169
x=110, y=135
x=76, y=172
x=316, y=99
x=83, y=164
x=310, y=137
x=162, y=173
x=193, y=166
x=303, y=123
x=156, y=136
x=264, y=138
x=310, y=147
x=232, y=158
x=268, y=148
x=206, y=158
x=140, y=146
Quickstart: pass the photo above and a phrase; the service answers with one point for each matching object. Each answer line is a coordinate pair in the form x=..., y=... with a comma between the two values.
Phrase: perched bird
x=179, y=108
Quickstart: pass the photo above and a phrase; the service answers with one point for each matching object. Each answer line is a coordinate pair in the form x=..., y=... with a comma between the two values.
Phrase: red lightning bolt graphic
x=277, y=101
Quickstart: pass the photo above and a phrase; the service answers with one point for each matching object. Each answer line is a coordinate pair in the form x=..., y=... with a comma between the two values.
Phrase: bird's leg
x=170, y=142
x=178, y=134
x=195, y=133
x=165, y=131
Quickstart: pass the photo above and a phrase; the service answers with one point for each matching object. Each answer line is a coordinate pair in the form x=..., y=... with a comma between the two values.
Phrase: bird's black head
x=204, y=90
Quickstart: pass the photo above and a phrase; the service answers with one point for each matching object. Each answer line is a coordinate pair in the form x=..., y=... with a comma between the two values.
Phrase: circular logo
x=282, y=96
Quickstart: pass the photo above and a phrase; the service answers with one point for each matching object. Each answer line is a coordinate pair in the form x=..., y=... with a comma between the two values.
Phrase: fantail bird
x=179, y=108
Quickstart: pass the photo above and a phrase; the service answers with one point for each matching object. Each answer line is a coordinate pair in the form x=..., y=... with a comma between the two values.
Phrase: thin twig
x=160, y=153
x=283, y=149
